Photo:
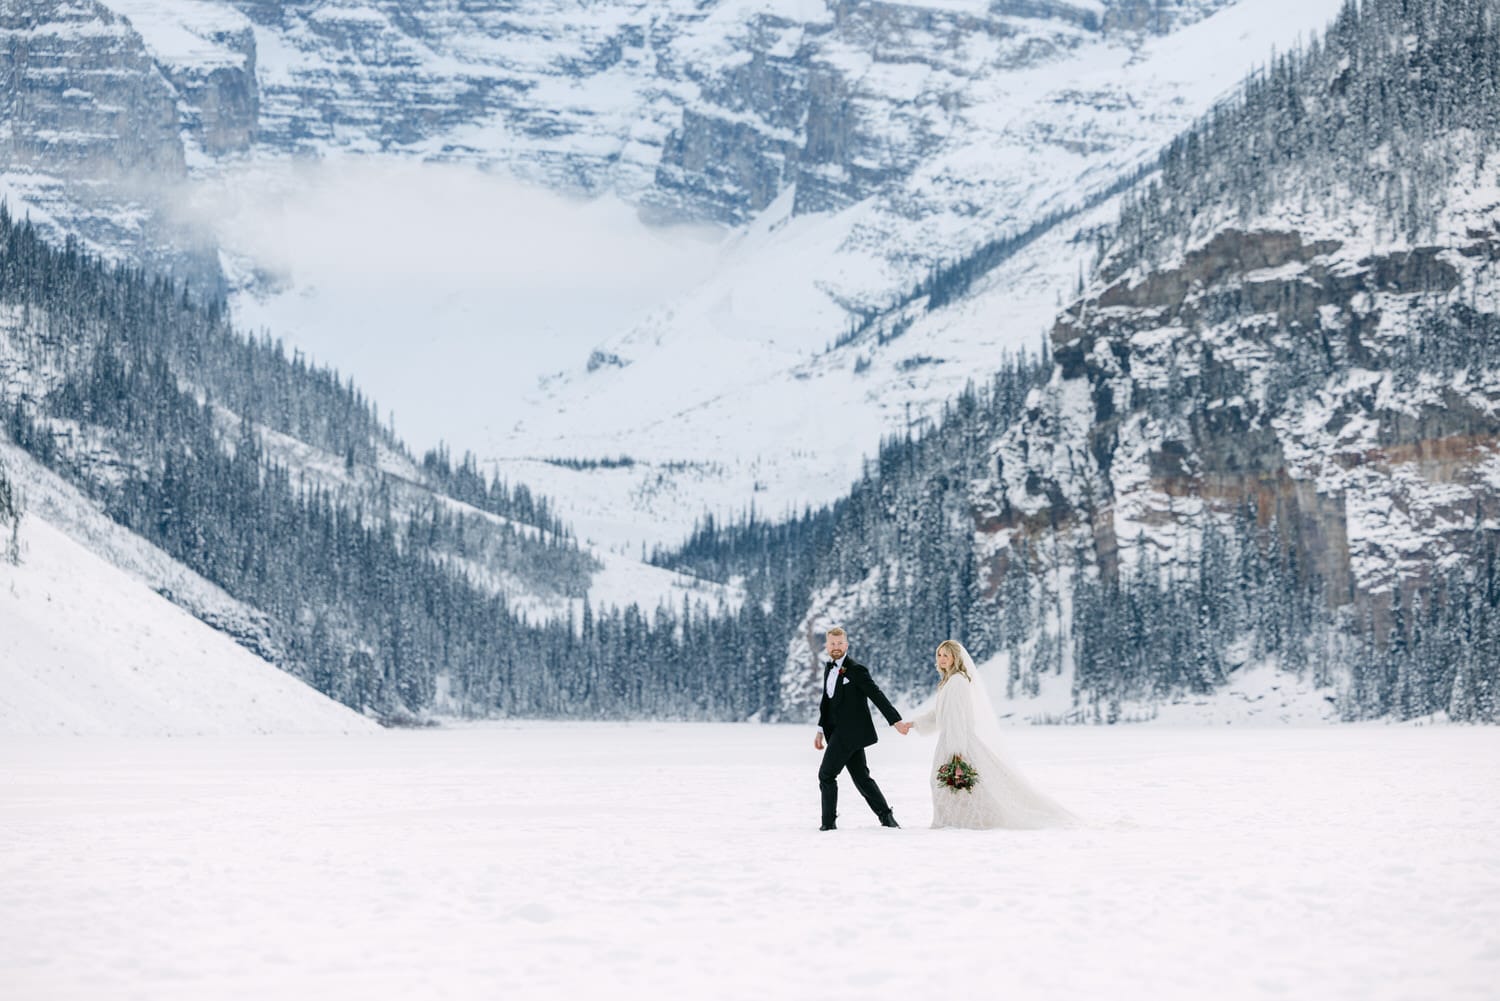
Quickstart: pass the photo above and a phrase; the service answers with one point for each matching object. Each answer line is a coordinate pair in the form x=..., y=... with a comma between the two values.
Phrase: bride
x=972, y=785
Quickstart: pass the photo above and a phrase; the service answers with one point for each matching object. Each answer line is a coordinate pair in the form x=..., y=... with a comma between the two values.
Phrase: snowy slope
x=88, y=648
x=91, y=650
x=53, y=500
x=729, y=418
x=618, y=577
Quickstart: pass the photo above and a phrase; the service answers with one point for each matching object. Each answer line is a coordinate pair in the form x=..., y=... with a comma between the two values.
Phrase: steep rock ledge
x=1265, y=371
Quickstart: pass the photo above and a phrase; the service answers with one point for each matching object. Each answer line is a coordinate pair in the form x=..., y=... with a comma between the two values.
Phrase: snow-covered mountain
x=849, y=148
x=91, y=645
x=1269, y=430
x=740, y=392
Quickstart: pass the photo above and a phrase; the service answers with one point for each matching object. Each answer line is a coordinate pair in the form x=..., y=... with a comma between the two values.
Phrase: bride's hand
x=903, y=727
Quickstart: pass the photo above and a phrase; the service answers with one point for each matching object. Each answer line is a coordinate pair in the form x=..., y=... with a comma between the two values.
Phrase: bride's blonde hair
x=957, y=666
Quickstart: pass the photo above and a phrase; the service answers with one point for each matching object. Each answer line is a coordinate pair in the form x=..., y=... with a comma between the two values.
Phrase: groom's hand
x=902, y=727
x=817, y=742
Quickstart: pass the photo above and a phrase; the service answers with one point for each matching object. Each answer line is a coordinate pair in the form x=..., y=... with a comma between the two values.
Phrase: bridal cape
x=1001, y=797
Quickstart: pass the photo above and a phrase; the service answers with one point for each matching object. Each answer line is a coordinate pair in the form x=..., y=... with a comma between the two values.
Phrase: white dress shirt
x=833, y=679
x=833, y=675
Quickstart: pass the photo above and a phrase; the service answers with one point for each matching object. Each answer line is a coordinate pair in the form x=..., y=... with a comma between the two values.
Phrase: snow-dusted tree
x=10, y=519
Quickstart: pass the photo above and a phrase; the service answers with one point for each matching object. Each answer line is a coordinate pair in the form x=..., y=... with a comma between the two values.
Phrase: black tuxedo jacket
x=847, y=713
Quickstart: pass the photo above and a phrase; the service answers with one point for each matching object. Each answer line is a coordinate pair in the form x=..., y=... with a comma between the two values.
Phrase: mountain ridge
x=1269, y=429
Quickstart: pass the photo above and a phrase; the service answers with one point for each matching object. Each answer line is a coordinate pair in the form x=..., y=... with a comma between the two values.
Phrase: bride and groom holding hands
x=972, y=784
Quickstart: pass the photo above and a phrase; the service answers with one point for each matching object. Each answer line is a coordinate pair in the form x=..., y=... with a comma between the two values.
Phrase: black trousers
x=837, y=757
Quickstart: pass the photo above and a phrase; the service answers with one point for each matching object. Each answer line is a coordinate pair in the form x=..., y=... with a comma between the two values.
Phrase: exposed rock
x=80, y=96
x=218, y=95
x=90, y=126
x=1259, y=373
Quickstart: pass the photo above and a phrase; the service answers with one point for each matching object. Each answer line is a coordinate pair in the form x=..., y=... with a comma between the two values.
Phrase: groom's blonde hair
x=836, y=631
x=957, y=666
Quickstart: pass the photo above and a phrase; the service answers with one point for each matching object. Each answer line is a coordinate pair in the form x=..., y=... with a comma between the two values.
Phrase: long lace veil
x=986, y=725
x=1029, y=806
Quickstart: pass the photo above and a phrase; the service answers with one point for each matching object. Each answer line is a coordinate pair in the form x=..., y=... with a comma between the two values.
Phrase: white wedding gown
x=1000, y=796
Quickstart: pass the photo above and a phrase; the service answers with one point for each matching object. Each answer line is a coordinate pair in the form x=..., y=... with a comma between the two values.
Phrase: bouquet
x=958, y=774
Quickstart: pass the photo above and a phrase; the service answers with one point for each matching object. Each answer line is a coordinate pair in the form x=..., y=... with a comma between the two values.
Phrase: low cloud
x=379, y=220
x=445, y=290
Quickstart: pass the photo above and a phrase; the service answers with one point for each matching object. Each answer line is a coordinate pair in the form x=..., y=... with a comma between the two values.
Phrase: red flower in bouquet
x=957, y=774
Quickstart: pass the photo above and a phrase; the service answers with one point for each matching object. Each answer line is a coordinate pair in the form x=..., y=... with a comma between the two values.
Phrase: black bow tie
x=833, y=663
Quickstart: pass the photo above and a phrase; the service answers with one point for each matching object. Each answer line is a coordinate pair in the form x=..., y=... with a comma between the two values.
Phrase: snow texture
x=671, y=860
x=88, y=648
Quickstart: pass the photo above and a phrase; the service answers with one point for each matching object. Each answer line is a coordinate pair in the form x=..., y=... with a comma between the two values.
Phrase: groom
x=844, y=719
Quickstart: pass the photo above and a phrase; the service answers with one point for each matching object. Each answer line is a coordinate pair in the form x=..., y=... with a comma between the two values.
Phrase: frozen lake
x=682, y=860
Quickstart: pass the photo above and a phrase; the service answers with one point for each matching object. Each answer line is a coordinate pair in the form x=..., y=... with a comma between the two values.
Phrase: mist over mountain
x=272, y=504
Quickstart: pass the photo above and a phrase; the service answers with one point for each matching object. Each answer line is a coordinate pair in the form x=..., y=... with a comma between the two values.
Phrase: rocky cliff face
x=218, y=96
x=91, y=132
x=826, y=106
x=1269, y=432
x=697, y=112
x=708, y=111
x=1272, y=370
x=1328, y=404
x=82, y=96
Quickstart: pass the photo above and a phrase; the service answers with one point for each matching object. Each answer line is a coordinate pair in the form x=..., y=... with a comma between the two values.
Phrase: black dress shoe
x=828, y=827
x=888, y=820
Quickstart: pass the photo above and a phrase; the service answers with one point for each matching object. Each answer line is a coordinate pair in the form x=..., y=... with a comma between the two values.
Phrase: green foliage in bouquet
x=958, y=774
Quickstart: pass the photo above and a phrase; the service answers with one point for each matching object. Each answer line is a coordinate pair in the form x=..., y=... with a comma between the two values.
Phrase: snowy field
x=680, y=860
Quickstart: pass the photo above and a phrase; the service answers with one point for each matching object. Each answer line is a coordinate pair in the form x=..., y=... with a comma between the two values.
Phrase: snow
x=89, y=645
x=622, y=581
x=49, y=499
x=726, y=339
x=617, y=581
x=89, y=649
x=1256, y=693
x=682, y=860
x=186, y=33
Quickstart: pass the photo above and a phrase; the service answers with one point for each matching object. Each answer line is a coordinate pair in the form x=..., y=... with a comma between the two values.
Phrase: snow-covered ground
x=676, y=860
